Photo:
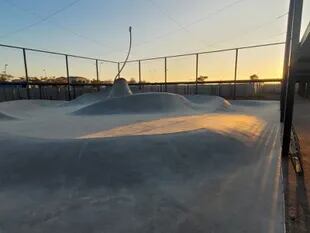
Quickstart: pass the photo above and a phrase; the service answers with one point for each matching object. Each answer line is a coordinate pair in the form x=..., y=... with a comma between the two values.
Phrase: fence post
x=40, y=91
x=26, y=73
x=166, y=74
x=68, y=78
x=140, y=81
x=286, y=59
x=118, y=69
x=290, y=92
x=97, y=74
x=236, y=73
x=197, y=73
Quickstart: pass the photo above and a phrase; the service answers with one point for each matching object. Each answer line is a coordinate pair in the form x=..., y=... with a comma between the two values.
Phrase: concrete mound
x=6, y=117
x=120, y=88
x=89, y=98
x=202, y=99
x=139, y=103
x=212, y=103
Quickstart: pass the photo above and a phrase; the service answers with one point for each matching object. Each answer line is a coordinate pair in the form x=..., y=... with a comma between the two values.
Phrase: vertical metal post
x=289, y=102
x=68, y=78
x=288, y=114
x=40, y=91
x=97, y=75
x=236, y=73
x=286, y=58
x=197, y=73
x=118, y=69
x=26, y=73
x=140, y=80
x=166, y=74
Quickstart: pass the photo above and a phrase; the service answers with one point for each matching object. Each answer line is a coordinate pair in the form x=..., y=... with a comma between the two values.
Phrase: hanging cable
x=211, y=14
x=41, y=20
x=56, y=24
x=129, y=50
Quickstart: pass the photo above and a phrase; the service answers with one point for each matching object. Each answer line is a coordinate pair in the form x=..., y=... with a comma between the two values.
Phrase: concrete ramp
x=120, y=88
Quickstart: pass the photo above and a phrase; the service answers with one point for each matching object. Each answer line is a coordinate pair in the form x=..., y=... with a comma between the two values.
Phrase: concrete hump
x=120, y=88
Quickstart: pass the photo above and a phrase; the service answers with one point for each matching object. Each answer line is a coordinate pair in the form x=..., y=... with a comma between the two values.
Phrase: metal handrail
x=143, y=59
x=207, y=52
x=146, y=83
x=55, y=53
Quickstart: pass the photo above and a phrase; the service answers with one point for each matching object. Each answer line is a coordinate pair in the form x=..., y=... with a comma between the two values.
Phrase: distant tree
x=254, y=77
x=34, y=79
x=78, y=79
x=132, y=81
x=255, y=85
x=20, y=79
x=202, y=78
x=5, y=77
x=58, y=80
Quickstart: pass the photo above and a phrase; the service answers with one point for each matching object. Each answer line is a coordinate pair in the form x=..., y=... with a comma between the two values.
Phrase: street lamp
x=100, y=67
x=5, y=68
x=44, y=70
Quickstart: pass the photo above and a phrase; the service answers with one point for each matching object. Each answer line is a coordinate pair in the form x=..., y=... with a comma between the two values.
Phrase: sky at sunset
x=99, y=28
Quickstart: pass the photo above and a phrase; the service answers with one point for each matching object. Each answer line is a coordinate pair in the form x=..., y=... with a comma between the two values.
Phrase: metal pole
x=40, y=91
x=236, y=73
x=197, y=72
x=97, y=75
x=5, y=68
x=286, y=58
x=118, y=69
x=289, y=103
x=68, y=77
x=140, y=81
x=166, y=73
x=26, y=73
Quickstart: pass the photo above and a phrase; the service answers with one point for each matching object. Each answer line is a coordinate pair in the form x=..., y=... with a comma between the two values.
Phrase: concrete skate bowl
x=22, y=108
x=99, y=162
x=146, y=103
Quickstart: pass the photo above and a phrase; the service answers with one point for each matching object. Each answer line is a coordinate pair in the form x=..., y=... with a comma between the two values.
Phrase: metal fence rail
x=66, y=56
x=246, y=89
x=208, y=52
x=139, y=67
x=196, y=56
